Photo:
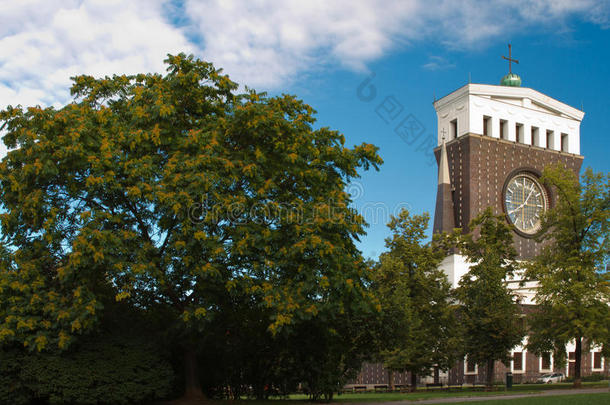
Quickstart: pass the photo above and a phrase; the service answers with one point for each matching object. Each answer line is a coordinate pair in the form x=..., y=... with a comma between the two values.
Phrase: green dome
x=511, y=79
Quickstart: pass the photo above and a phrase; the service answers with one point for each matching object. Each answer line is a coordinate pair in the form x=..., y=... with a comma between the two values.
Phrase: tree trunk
x=390, y=380
x=490, y=374
x=577, y=363
x=192, y=386
x=413, y=382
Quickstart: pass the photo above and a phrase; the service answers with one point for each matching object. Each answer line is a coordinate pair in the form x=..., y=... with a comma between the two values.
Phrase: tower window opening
x=454, y=129
x=564, y=142
x=486, y=125
x=519, y=133
x=535, y=136
x=503, y=129
x=550, y=139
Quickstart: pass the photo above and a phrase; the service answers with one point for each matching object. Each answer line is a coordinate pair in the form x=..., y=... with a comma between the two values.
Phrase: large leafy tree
x=573, y=293
x=417, y=321
x=172, y=192
x=489, y=310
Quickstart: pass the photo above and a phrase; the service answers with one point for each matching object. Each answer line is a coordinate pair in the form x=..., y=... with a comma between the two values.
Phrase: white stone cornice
x=526, y=94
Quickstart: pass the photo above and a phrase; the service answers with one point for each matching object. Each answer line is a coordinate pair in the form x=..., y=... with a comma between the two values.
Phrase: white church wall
x=458, y=110
x=514, y=106
x=454, y=267
x=525, y=289
x=570, y=347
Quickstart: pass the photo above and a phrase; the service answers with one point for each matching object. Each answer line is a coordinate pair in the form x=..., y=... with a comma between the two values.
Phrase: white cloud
x=269, y=43
x=437, y=63
x=261, y=43
x=45, y=42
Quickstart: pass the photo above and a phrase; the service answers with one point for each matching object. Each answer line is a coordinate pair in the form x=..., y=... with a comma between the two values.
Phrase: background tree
x=168, y=192
x=321, y=354
x=417, y=320
x=573, y=293
x=489, y=310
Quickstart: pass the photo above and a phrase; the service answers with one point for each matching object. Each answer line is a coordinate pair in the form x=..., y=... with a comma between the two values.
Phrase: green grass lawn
x=549, y=399
x=582, y=399
x=464, y=392
x=411, y=396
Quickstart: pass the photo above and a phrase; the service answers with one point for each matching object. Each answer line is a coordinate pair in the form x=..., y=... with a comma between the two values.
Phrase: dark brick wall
x=479, y=167
x=374, y=373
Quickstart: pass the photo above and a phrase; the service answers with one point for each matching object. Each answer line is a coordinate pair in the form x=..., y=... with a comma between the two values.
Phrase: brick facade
x=374, y=373
x=479, y=168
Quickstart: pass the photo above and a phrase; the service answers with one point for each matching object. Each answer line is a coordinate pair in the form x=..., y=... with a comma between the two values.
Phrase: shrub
x=100, y=370
x=593, y=377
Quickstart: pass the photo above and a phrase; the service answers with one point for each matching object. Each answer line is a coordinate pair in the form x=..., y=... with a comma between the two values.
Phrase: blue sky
x=573, y=68
x=322, y=51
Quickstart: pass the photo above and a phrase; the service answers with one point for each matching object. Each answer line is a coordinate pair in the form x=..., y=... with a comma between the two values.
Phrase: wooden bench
x=402, y=388
x=359, y=388
x=381, y=388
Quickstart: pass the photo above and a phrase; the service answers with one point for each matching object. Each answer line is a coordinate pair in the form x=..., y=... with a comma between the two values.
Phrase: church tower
x=493, y=143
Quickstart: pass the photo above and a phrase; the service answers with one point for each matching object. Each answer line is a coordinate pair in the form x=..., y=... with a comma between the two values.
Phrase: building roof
x=538, y=100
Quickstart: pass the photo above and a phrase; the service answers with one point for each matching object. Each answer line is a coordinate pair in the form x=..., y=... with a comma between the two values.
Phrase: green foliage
x=331, y=352
x=247, y=360
x=573, y=284
x=321, y=353
x=489, y=311
x=170, y=192
x=102, y=370
x=417, y=322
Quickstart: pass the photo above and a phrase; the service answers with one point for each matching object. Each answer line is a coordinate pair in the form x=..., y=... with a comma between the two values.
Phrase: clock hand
x=518, y=208
x=529, y=195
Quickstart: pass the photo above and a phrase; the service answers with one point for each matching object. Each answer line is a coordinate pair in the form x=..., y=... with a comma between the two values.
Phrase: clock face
x=525, y=201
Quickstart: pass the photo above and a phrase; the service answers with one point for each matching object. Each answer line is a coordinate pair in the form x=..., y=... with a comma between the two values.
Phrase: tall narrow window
x=471, y=367
x=517, y=361
x=522, y=323
x=564, y=142
x=535, y=136
x=486, y=125
x=597, y=360
x=454, y=129
x=545, y=362
x=519, y=133
x=550, y=141
x=503, y=129
x=571, y=363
